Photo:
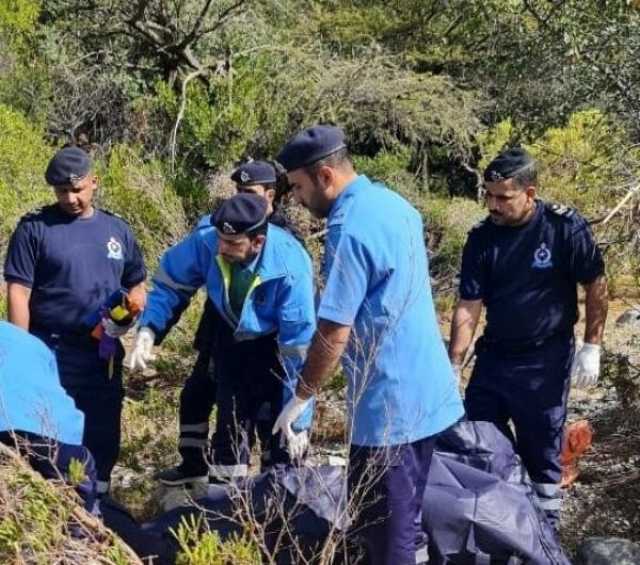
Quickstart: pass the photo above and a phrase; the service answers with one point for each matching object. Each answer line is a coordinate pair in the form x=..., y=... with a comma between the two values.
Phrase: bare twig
x=622, y=202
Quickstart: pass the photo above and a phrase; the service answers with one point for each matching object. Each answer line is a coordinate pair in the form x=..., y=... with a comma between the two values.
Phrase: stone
x=629, y=318
x=607, y=551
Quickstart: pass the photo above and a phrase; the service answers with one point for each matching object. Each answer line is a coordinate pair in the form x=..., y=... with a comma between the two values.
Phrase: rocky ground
x=605, y=499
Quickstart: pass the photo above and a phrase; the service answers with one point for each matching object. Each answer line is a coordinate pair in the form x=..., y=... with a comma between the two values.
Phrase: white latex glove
x=297, y=444
x=292, y=410
x=585, y=369
x=457, y=371
x=114, y=330
x=143, y=349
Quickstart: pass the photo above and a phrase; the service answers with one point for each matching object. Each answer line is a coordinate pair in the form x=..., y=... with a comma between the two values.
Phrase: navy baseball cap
x=254, y=172
x=311, y=145
x=508, y=164
x=68, y=166
x=242, y=213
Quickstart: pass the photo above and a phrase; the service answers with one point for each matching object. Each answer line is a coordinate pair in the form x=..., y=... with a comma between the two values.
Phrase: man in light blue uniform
x=260, y=281
x=376, y=313
x=36, y=414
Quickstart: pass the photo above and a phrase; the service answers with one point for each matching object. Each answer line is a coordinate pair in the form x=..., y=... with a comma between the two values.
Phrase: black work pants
x=197, y=399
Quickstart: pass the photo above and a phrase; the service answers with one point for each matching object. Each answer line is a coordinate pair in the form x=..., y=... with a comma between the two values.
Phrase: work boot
x=180, y=475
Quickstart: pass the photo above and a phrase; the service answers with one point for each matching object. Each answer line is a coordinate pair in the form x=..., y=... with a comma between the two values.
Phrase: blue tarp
x=479, y=507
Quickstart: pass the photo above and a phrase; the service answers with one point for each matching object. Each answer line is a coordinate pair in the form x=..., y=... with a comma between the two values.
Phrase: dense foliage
x=169, y=94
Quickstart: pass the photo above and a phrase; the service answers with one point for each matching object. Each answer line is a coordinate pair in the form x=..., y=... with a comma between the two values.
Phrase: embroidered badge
x=542, y=257
x=562, y=210
x=245, y=176
x=496, y=176
x=114, y=249
x=228, y=228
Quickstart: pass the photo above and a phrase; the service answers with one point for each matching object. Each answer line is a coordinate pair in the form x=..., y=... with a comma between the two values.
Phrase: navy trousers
x=386, y=486
x=52, y=460
x=528, y=387
x=98, y=392
x=197, y=399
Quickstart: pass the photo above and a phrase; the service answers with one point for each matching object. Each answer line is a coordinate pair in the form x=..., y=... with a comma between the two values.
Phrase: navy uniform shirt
x=527, y=276
x=72, y=265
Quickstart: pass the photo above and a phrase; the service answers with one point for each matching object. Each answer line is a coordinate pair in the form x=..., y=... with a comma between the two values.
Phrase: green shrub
x=219, y=120
x=199, y=546
x=494, y=140
x=18, y=19
x=581, y=162
x=389, y=167
x=139, y=191
x=24, y=160
x=448, y=221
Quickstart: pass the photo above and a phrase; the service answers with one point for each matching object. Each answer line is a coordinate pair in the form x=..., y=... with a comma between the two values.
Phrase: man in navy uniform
x=377, y=313
x=63, y=263
x=198, y=395
x=523, y=264
x=259, y=279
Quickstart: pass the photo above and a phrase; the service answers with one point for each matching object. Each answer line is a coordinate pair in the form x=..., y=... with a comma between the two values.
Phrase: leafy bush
x=583, y=162
x=42, y=522
x=447, y=221
x=199, y=546
x=140, y=193
x=24, y=160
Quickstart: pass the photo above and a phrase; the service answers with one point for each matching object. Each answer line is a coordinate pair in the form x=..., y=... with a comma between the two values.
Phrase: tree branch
x=223, y=17
x=183, y=104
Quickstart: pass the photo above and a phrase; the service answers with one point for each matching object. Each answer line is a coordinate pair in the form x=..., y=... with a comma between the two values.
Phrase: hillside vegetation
x=169, y=95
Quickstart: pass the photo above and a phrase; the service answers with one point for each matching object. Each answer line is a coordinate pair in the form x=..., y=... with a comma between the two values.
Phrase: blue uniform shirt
x=401, y=384
x=526, y=276
x=279, y=300
x=72, y=265
x=31, y=396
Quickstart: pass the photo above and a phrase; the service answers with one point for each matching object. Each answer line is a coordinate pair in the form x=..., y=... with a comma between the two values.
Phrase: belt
x=505, y=346
x=77, y=339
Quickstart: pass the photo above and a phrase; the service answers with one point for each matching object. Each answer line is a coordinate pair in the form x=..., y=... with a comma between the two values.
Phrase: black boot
x=181, y=475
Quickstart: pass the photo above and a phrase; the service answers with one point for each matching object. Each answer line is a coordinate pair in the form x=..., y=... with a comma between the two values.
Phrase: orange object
x=578, y=437
x=136, y=299
x=125, y=312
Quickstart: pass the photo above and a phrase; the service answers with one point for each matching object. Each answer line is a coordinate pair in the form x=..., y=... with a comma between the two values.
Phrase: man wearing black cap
x=259, y=280
x=523, y=263
x=63, y=263
x=377, y=313
x=198, y=394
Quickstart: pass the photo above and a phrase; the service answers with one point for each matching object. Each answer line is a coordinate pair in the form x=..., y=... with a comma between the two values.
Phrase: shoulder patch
x=561, y=210
x=114, y=214
x=478, y=225
x=117, y=217
x=32, y=214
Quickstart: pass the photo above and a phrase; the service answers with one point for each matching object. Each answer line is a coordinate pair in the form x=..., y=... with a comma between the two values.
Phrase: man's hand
x=143, y=349
x=297, y=443
x=115, y=330
x=585, y=369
